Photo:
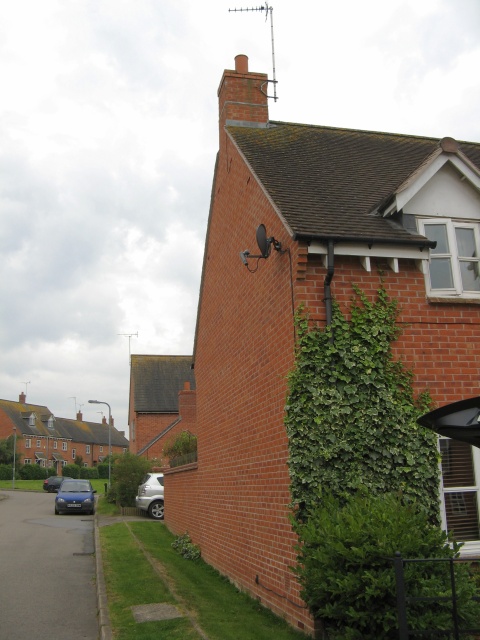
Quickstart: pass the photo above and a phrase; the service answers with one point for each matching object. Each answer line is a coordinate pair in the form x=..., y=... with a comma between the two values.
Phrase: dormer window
x=51, y=421
x=454, y=267
x=31, y=420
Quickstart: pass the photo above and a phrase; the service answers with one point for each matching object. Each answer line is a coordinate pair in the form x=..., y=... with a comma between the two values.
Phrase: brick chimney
x=79, y=416
x=22, y=398
x=242, y=96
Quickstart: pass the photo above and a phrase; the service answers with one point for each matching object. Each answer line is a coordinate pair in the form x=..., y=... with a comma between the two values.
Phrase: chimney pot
x=241, y=63
x=22, y=398
x=79, y=416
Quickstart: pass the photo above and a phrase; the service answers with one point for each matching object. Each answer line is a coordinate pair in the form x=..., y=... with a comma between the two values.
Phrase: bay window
x=460, y=491
x=454, y=268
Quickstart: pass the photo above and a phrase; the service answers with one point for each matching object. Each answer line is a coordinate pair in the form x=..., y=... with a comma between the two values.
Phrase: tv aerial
x=268, y=10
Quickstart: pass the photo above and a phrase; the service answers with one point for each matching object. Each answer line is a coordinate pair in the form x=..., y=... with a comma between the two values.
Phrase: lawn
x=37, y=485
x=221, y=610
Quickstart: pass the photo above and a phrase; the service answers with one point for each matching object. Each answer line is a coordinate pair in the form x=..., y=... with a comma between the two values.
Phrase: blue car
x=75, y=496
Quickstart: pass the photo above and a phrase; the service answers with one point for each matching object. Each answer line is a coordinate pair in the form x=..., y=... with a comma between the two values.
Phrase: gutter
x=423, y=243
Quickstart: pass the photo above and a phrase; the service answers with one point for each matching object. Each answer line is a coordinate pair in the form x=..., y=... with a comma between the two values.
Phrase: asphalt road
x=47, y=570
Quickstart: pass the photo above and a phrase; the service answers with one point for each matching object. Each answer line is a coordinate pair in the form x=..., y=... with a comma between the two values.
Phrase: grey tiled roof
x=157, y=381
x=76, y=430
x=326, y=181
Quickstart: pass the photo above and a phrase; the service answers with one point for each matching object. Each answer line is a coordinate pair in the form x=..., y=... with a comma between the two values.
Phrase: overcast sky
x=108, y=136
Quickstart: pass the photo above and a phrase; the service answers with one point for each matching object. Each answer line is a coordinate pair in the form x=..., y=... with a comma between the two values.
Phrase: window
x=55, y=444
x=74, y=453
x=50, y=422
x=31, y=420
x=28, y=443
x=27, y=461
x=64, y=446
x=101, y=449
x=454, y=268
x=39, y=444
x=461, y=491
x=87, y=448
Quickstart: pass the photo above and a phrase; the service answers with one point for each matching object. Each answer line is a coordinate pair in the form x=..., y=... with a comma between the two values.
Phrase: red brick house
x=338, y=207
x=48, y=441
x=154, y=418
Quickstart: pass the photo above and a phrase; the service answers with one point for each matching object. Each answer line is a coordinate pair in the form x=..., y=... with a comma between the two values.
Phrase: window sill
x=451, y=300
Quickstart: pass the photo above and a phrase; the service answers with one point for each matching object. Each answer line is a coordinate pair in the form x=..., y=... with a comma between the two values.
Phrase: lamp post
x=14, y=455
x=459, y=421
x=109, y=436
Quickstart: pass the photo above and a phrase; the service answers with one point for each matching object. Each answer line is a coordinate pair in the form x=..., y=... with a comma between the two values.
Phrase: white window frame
x=55, y=444
x=39, y=444
x=27, y=461
x=471, y=547
x=28, y=443
x=64, y=446
x=451, y=224
x=87, y=449
x=74, y=454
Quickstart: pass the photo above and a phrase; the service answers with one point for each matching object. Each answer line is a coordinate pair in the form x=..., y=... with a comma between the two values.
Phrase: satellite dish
x=263, y=244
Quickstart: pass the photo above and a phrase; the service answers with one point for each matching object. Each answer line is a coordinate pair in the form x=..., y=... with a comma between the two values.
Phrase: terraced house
x=49, y=441
x=299, y=214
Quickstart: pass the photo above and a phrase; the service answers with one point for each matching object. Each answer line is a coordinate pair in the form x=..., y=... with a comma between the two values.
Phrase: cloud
x=108, y=137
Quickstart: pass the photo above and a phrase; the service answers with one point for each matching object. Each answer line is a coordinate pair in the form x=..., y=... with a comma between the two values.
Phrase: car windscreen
x=74, y=487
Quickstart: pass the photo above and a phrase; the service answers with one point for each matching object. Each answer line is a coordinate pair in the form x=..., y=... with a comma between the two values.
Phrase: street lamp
x=109, y=436
x=458, y=420
x=14, y=455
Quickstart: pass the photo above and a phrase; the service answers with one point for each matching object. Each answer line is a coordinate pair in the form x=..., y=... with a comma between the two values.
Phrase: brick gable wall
x=234, y=504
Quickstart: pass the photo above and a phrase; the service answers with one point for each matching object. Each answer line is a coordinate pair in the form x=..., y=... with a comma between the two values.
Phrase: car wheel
x=156, y=510
x=57, y=512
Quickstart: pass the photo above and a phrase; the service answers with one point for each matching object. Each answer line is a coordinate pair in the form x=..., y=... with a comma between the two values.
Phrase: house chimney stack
x=242, y=96
x=79, y=416
x=22, y=398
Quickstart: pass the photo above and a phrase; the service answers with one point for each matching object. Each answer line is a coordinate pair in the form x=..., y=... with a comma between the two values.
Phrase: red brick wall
x=236, y=508
x=147, y=427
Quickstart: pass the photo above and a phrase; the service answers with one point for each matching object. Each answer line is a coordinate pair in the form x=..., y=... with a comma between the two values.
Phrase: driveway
x=47, y=570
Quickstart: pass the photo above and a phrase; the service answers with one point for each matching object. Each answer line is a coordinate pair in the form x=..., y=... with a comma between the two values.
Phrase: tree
x=127, y=474
x=6, y=451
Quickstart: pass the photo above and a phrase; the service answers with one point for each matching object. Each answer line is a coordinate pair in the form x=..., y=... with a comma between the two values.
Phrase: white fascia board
x=379, y=250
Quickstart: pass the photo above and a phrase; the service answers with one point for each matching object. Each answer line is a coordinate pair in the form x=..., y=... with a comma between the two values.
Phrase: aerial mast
x=268, y=10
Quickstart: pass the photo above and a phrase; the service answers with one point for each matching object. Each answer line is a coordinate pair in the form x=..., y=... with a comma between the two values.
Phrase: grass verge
x=37, y=485
x=223, y=612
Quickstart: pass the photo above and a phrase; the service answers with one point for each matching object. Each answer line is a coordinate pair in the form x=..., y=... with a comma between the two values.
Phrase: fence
x=403, y=600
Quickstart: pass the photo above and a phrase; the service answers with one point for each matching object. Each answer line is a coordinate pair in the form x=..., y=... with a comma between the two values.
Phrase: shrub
x=6, y=472
x=181, y=449
x=71, y=471
x=185, y=547
x=88, y=472
x=33, y=472
x=347, y=576
x=127, y=474
x=102, y=470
